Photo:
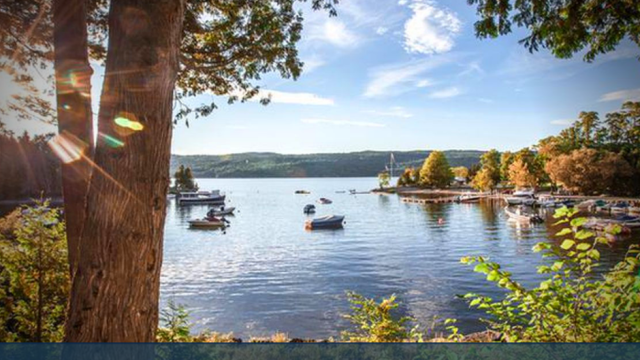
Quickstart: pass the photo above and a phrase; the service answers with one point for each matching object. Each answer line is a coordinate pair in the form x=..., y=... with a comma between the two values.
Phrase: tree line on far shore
x=28, y=168
x=592, y=156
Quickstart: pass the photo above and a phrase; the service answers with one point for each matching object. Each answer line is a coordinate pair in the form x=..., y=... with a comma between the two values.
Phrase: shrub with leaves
x=174, y=324
x=34, y=273
x=573, y=304
x=374, y=321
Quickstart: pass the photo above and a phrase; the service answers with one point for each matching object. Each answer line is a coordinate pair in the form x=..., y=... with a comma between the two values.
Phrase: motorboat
x=468, y=198
x=626, y=222
x=522, y=197
x=621, y=207
x=208, y=223
x=224, y=211
x=302, y=192
x=201, y=198
x=549, y=202
x=309, y=209
x=632, y=222
x=634, y=209
x=522, y=216
x=324, y=201
x=325, y=222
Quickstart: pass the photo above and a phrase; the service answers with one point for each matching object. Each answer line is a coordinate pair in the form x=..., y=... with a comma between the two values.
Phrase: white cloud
x=431, y=29
x=342, y=122
x=381, y=30
x=446, y=93
x=471, y=68
x=624, y=95
x=485, y=100
x=312, y=63
x=335, y=32
x=562, y=122
x=396, y=79
x=396, y=111
x=282, y=97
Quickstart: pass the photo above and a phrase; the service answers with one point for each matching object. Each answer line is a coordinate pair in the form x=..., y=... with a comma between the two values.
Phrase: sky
x=409, y=75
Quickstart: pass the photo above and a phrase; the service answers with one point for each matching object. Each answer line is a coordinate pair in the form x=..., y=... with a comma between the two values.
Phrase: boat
x=519, y=215
x=626, y=222
x=224, y=211
x=522, y=197
x=325, y=222
x=324, y=201
x=309, y=209
x=208, y=223
x=621, y=207
x=201, y=198
x=549, y=202
x=634, y=209
x=632, y=222
x=303, y=192
x=468, y=198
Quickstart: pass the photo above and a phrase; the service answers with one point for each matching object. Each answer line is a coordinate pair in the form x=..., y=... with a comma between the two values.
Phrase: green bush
x=572, y=304
x=34, y=274
x=174, y=324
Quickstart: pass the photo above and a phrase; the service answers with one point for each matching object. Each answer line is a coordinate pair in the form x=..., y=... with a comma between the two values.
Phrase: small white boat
x=324, y=201
x=522, y=197
x=325, y=222
x=468, y=198
x=224, y=211
x=208, y=223
x=522, y=216
x=634, y=209
x=201, y=198
x=549, y=202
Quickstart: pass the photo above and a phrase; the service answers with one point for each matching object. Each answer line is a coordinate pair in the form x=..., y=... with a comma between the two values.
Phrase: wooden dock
x=441, y=200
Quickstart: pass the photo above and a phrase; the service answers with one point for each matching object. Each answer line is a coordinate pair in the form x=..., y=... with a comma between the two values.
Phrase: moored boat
x=201, y=198
x=208, y=223
x=519, y=215
x=522, y=197
x=309, y=209
x=468, y=198
x=325, y=222
x=302, y=192
x=223, y=211
x=324, y=201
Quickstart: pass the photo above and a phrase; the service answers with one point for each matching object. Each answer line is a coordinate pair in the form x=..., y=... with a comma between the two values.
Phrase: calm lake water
x=265, y=273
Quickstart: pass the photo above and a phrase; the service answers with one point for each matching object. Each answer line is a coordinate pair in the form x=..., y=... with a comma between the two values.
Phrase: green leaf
x=564, y=232
x=482, y=268
x=475, y=302
x=493, y=275
x=583, y=246
x=584, y=234
x=577, y=222
x=567, y=244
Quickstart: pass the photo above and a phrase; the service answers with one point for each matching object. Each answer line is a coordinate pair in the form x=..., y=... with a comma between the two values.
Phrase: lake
x=265, y=273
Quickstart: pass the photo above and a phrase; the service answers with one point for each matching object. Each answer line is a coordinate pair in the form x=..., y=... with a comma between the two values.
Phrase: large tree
x=564, y=27
x=436, y=171
x=201, y=46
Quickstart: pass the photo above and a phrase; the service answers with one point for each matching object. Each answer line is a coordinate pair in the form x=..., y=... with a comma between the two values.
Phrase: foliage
x=436, y=171
x=184, y=180
x=356, y=164
x=460, y=171
x=174, y=324
x=520, y=174
x=564, y=27
x=572, y=304
x=374, y=321
x=506, y=159
x=484, y=180
x=589, y=171
x=489, y=175
x=34, y=272
x=28, y=168
x=383, y=179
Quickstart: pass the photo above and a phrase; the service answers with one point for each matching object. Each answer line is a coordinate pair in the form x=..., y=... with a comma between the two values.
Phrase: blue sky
x=410, y=74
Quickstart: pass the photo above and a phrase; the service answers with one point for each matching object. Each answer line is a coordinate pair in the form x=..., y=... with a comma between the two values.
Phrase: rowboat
x=518, y=215
x=224, y=211
x=207, y=223
x=325, y=222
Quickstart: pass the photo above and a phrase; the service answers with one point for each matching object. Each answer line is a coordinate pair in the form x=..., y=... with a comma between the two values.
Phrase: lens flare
x=111, y=141
x=67, y=147
x=124, y=122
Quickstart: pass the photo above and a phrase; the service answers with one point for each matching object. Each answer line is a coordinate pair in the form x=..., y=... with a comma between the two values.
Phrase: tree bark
x=73, y=97
x=115, y=290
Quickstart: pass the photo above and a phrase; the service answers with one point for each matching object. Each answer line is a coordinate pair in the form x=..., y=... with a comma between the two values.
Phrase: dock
x=440, y=200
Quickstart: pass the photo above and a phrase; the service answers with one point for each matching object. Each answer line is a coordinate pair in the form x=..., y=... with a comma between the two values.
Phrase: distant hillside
x=271, y=165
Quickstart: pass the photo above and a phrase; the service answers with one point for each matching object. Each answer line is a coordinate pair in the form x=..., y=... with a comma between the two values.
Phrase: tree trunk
x=115, y=290
x=73, y=96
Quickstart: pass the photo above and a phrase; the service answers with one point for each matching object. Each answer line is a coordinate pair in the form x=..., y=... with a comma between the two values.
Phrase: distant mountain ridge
x=273, y=165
